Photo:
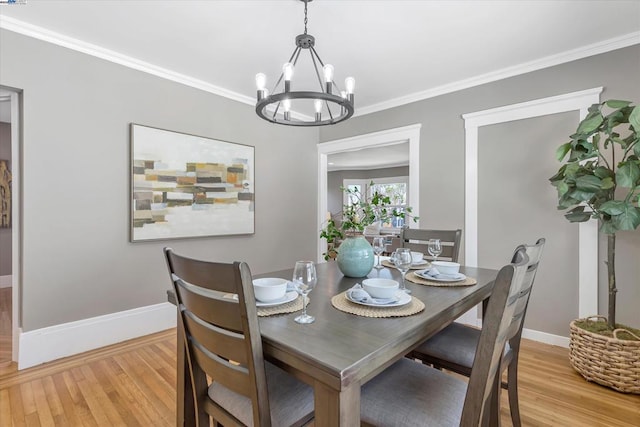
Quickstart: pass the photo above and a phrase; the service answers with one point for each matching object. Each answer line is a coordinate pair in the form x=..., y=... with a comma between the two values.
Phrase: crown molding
x=527, y=67
x=40, y=33
x=355, y=168
x=43, y=34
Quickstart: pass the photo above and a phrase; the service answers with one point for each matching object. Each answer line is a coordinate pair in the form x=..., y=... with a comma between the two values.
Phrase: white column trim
x=399, y=135
x=588, y=231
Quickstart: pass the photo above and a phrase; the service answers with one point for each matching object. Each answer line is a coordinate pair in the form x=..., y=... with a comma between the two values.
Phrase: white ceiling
x=398, y=51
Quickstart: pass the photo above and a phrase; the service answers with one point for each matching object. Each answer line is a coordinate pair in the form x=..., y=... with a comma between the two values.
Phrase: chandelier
x=327, y=106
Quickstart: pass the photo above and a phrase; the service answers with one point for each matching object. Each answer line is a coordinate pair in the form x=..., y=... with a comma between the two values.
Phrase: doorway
x=9, y=225
x=405, y=135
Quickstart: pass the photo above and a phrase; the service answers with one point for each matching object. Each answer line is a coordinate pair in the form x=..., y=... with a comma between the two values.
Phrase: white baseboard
x=546, y=338
x=47, y=344
x=5, y=281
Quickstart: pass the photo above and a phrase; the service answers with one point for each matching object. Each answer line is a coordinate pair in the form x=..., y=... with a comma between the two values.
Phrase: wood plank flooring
x=5, y=326
x=133, y=384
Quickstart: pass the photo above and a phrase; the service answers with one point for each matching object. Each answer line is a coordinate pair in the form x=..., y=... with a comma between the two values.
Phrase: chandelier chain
x=305, y=17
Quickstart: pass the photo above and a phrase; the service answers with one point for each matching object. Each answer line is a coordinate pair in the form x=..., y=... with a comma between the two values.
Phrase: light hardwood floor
x=5, y=326
x=133, y=384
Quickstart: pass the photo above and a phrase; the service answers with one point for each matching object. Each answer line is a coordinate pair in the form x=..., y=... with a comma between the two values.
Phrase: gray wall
x=335, y=180
x=442, y=154
x=5, y=233
x=78, y=262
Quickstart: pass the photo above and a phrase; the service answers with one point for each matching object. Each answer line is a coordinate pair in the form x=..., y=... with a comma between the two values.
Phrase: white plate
x=425, y=275
x=418, y=264
x=404, y=299
x=288, y=297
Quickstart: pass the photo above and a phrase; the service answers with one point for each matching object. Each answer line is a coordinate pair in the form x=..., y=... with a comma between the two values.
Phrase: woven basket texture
x=608, y=361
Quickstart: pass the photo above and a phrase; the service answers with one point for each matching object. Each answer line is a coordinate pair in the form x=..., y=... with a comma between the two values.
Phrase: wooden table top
x=339, y=348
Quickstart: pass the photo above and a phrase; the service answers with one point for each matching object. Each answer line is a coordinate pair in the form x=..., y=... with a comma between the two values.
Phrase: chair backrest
x=417, y=240
x=510, y=282
x=534, y=252
x=219, y=321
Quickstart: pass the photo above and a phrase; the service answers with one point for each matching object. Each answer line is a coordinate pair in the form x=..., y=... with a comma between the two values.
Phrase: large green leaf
x=608, y=227
x=588, y=183
x=616, y=103
x=628, y=173
x=629, y=219
x=590, y=123
x=634, y=118
x=602, y=172
x=578, y=216
x=562, y=151
x=607, y=183
x=613, y=207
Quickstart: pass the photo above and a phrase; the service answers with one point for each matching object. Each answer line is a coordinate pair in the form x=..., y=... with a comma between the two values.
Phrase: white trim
x=41, y=33
x=47, y=344
x=16, y=223
x=588, y=231
x=409, y=133
x=546, y=62
x=5, y=281
x=545, y=338
x=368, y=168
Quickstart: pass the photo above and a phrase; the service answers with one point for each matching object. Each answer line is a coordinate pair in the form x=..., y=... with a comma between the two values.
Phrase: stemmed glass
x=402, y=260
x=434, y=248
x=378, y=248
x=304, y=279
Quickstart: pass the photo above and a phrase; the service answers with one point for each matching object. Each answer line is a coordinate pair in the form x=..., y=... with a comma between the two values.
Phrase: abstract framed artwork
x=185, y=186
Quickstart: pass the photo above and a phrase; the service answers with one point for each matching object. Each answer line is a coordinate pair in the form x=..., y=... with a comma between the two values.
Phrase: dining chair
x=409, y=393
x=454, y=348
x=219, y=321
x=417, y=240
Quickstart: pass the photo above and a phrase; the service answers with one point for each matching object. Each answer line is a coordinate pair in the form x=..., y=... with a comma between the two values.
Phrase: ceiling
x=398, y=51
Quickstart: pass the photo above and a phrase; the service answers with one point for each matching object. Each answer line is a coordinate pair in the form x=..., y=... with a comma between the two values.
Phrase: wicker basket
x=611, y=362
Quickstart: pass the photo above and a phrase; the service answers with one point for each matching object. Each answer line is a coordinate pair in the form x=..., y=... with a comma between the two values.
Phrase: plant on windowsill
x=345, y=242
x=601, y=180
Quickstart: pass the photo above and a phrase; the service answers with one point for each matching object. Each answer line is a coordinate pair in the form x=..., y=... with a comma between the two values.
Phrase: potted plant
x=601, y=180
x=345, y=241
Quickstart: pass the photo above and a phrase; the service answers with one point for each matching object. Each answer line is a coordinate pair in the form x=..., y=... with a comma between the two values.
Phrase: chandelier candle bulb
x=261, y=81
x=328, y=76
x=318, y=106
x=287, y=108
x=287, y=70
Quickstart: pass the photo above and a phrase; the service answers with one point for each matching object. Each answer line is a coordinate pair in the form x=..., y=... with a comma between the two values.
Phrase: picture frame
x=188, y=186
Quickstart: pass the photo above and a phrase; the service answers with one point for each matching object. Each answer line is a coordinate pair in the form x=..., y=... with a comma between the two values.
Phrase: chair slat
x=223, y=312
x=231, y=376
x=226, y=344
x=202, y=274
x=417, y=240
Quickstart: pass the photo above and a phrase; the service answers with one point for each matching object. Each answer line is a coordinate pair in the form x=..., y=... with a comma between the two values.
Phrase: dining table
x=340, y=352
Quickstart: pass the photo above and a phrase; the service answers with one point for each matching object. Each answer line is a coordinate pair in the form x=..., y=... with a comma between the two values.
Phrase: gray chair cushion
x=290, y=400
x=456, y=343
x=411, y=394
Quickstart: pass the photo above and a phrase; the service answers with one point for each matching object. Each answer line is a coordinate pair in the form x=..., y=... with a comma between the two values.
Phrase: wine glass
x=402, y=260
x=434, y=248
x=378, y=248
x=304, y=279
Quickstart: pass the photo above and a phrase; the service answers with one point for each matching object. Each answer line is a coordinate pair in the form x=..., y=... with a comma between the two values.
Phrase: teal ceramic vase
x=355, y=257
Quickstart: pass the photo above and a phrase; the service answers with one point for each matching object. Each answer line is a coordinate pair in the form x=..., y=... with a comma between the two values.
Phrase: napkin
x=433, y=272
x=357, y=293
x=291, y=286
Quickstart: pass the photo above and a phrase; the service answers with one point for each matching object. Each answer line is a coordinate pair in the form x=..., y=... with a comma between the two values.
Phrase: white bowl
x=417, y=257
x=446, y=267
x=269, y=289
x=380, y=288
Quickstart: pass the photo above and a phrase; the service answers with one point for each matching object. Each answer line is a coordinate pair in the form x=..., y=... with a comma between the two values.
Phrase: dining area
x=348, y=354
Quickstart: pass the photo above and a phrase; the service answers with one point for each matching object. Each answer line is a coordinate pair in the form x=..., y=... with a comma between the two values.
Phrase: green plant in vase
x=601, y=177
x=362, y=211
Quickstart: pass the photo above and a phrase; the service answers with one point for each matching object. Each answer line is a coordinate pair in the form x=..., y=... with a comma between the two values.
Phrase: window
x=397, y=188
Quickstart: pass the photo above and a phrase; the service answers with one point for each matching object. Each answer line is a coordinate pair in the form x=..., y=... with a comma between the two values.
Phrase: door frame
x=410, y=134
x=588, y=231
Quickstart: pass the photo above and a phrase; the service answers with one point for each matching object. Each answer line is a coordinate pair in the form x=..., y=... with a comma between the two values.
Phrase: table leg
x=335, y=408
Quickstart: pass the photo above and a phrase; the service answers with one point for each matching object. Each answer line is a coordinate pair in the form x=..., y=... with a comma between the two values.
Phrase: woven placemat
x=290, y=307
x=414, y=278
x=389, y=264
x=341, y=302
